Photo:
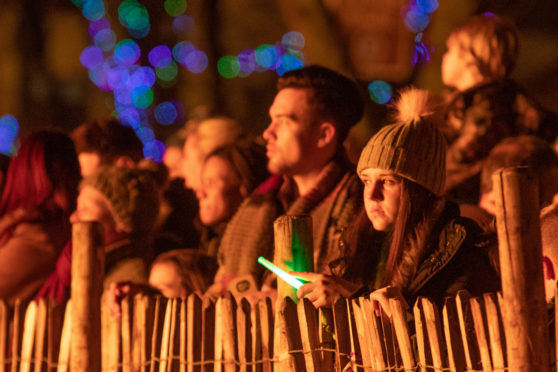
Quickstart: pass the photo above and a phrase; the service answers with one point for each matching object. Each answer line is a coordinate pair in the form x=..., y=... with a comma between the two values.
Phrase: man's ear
x=327, y=134
x=125, y=161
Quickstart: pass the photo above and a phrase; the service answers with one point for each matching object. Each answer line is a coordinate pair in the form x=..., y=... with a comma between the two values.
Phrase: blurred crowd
x=415, y=216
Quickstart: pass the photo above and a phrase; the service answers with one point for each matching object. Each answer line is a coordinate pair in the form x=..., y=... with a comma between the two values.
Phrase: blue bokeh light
x=196, y=61
x=154, y=150
x=105, y=39
x=127, y=52
x=91, y=57
x=160, y=56
x=9, y=129
x=293, y=39
x=380, y=92
x=165, y=113
x=93, y=10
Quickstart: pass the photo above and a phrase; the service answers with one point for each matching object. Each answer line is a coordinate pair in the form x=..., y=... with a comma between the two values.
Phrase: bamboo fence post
x=229, y=332
x=208, y=334
x=28, y=336
x=326, y=337
x=55, y=321
x=342, y=333
x=156, y=336
x=454, y=344
x=173, y=356
x=126, y=333
x=371, y=324
x=467, y=328
x=422, y=340
x=366, y=351
x=434, y=330
x=64, y=356
x=402, y=333
x=479, y=320
x=266, y=319
x=244, y=344
x=519, y=236
x=87, y=286
x=293, y=249
x=194, y=332
x=219, y=330
x=41, y=335
x=256, y=335
x=286, y=337
x=4, y=322
x=495, y=331
x=309, y=334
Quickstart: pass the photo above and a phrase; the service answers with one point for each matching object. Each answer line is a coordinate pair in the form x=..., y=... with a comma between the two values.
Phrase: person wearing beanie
x=125, y=201
x=409, y=240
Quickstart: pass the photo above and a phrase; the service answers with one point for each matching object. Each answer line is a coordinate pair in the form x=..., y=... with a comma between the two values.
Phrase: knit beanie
x=412, y=147
x=132, y=195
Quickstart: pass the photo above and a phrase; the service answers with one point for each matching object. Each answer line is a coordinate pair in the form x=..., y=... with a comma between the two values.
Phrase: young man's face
x=382, y=195
x=290, y=137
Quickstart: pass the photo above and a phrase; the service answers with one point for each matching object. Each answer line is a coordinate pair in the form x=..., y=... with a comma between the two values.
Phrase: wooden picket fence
x=201, y=334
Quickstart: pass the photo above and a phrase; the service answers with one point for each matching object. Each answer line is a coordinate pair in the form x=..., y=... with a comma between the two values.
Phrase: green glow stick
x=280, y=273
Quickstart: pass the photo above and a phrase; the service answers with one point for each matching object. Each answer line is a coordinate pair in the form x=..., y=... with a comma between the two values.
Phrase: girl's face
x=220, y=193
x=382, y=195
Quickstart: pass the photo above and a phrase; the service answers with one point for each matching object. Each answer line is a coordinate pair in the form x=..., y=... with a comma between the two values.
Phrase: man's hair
x=529, y=151
x=492, y=42
x=334, y=97
x=109, y=139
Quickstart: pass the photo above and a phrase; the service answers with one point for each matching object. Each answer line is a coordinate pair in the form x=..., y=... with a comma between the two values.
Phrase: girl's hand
x=323, y=290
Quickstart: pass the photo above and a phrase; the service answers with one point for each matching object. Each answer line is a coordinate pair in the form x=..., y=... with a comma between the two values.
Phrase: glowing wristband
x=280, y=273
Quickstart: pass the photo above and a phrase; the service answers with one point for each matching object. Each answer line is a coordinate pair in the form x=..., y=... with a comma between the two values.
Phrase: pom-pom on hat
x=412, y=147
x=132, y=195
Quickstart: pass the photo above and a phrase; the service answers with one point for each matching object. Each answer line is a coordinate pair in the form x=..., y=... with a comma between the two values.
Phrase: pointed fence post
x=519, y=236
x=87, y=285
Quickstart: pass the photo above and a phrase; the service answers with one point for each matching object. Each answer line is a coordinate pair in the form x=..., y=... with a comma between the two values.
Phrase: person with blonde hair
x=486, y=105
x=410, y=240
x=201, y=139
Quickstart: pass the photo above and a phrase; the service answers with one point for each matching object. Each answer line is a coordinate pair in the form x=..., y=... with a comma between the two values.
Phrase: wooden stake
x=434, y=329
x=342, y=333
x=480, y=331
x=454, y=344
x=293, y=249
x=399, y=316
x=467, y=328
x=28, y=337
x=495, y=331
x=4, y=322
x=208, y=333
x=87, y=285
x=65, y=339
x=308, y=324
x=285, y=337
x=266, y=321
x=519, y=236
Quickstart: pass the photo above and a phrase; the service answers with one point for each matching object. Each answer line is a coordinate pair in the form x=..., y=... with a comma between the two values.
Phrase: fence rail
x=200, y=334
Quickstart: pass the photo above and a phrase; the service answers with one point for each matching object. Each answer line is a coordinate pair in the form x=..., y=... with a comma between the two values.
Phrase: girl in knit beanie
x=410, y=240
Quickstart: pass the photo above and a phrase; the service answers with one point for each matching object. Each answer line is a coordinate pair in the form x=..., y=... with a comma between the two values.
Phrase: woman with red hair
x=39, y=195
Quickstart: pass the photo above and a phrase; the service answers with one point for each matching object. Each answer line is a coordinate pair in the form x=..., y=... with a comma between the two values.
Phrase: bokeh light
x=293, y=39
x=165, y=113
x=145, y=134
x=98, y=75
x=91, y=57
x=130, y=117
x=168, y=72
x=160, y=56
x=181, y=50
x=380, y=91
x=93, y=9
x=133, y=15
x=182, y=23
x=142, y=76
x=175, y=7
x=288, y=63
x=140, y=33
x=154, y=150
x=105, y=39
x=127, y=52
x=142, y=97
x=196, y=61
x=247, y=61
x=98, y=25
x=9, y=129
x=266, y=55
x=427, y=6
x=228, y=67
x=415, y=20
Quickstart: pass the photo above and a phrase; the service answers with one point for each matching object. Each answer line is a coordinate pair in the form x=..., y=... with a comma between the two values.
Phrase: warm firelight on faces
x=382, y=195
